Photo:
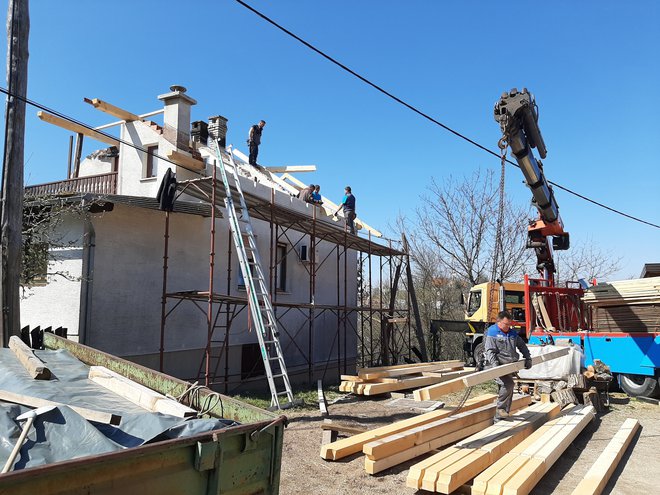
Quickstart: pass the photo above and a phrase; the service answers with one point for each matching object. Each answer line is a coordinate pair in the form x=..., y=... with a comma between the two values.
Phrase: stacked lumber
x=401, y=447
x=433, y=392
x=625, y=306
x=384, y=379
x=348, y=446
x=596, y=478
x=449, y=469
x=522, y=468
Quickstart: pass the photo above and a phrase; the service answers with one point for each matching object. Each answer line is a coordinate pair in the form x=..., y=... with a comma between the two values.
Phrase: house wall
x=57, y=303
x=125, y=286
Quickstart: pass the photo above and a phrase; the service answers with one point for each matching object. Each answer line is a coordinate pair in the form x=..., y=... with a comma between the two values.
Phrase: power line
x=425, y=115
x=87, y=126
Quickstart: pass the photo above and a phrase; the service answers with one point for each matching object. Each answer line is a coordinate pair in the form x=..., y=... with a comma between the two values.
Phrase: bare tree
x=587, y=261
x=457, y=220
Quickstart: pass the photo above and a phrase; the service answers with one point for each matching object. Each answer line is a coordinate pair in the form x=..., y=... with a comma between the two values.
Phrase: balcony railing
x=95, y=184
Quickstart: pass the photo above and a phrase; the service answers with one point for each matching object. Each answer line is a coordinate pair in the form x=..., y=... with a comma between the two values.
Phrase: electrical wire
x=426, y=116
x=87, y=126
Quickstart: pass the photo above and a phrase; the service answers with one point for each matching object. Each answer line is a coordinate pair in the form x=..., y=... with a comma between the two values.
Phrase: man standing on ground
x=348, y=204
x=502, y=345
x=254, y=140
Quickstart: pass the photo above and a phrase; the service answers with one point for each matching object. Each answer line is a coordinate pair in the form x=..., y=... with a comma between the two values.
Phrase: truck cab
x=481, y=312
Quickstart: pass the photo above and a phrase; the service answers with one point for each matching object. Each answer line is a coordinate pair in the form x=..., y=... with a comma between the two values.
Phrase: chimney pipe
x=218, y=129
x=200, y=132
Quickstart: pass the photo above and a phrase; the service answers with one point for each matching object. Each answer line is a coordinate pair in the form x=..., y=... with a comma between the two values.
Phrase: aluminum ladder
x=261, y=308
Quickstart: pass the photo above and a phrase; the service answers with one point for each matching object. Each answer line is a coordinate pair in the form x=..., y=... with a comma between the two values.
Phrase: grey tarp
x=62, y=434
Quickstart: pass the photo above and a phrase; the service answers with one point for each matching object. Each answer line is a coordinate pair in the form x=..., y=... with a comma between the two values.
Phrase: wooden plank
x=88, y=414
x=328, y=424
x=323, y=405
x=138, y=394
x=347, y=446
x=112, y=110
x=374, y=371
x=32, y=364
x=491, y=480
x=406, y=383
x=77, y=128
x=537, y=459
x=468, y=458
x=292, y=169
x=433, y=392
x=185, y=160
x=599, y=474
x=367, y=374
x=422, y=434
x=374, y=466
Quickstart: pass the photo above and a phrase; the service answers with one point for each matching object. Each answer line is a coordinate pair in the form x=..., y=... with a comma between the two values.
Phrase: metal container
x=243, y=459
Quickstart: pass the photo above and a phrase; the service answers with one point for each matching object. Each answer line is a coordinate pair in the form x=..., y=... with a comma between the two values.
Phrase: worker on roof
x=348, y=205
x=316, y=195
x=254, y=140
x=307, y=193
x=501, y=347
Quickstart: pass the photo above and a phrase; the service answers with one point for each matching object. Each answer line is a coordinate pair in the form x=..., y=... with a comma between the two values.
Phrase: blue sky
x=592, y=65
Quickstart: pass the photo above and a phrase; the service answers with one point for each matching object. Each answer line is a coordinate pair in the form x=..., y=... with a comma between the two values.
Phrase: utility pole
x=18, y=30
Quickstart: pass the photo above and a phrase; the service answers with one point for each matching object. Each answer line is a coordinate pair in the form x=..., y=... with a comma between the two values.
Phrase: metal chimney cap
x=178, y=88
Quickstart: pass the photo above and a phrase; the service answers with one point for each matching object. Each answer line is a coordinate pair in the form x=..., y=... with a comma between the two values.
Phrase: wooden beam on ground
x=400, y=370
x=32, y=364
x=408, y=444
x=323, y=405
x=527, y=463
x=138, y=394
x=73, y=127
x=345, y=447
x=112, y=110
x=407, y=383
x=449, y=469
x=292, y=169
x=433, y=392
x=597, y=477
x=328, y=424
x=88, y=414
x=186, y=161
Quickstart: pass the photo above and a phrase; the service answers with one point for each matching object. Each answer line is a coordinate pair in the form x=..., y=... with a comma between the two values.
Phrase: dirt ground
x=304, y=472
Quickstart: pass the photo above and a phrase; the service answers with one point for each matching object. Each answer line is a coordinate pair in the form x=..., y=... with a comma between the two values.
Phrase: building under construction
x=164, y=288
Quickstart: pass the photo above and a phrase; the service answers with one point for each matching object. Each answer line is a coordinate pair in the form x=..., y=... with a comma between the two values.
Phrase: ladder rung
x=286, y=392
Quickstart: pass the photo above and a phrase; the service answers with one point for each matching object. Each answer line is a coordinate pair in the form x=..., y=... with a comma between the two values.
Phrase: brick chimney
x=176, y=119
x=218, y=129
x=200, y=132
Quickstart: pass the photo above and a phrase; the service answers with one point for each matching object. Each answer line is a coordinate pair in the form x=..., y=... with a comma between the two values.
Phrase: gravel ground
x=304, y=472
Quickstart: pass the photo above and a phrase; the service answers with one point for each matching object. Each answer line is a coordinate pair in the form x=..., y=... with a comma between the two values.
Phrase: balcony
x=95, y=184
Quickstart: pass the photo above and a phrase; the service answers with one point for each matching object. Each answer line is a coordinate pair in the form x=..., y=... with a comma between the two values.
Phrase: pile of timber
x=384, y=379
x=404, y=440
x=509, y=452
x=625, y=306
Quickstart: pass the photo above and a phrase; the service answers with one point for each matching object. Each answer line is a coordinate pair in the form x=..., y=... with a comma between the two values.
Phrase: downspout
x=86, y=284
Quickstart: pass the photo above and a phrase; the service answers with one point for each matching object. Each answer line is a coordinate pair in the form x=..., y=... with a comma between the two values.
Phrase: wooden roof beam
x=186, y=161
x=112, y=110
x=77, y=128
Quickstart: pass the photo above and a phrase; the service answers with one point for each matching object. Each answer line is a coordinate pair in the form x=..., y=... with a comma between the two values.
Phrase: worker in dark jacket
x=502, y=345
x=348, y=205
x=254, y=140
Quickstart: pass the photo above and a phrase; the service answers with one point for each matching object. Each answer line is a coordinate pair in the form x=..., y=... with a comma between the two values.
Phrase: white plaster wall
x=132, y=162
x=58, y=302
x=94, y=166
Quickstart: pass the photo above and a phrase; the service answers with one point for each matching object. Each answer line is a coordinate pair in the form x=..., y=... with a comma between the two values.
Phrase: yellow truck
x=481, y=312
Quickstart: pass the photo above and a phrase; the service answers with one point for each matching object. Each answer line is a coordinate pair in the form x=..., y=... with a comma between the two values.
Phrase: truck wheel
x=478, y=353
x=640, y=385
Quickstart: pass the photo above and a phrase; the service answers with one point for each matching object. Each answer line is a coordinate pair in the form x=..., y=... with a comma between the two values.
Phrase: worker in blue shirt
x=348, y=204
x=501, y=347
x=316, y=195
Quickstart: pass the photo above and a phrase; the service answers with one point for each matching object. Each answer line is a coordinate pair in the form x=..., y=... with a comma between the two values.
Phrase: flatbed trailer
x=238, y=460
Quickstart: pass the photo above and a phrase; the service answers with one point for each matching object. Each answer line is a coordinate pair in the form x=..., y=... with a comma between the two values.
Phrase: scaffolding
x=379, y=318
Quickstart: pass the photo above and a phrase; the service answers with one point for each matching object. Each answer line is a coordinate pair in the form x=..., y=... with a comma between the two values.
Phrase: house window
x=280, y=269
x=150, y=169
x=252, y=364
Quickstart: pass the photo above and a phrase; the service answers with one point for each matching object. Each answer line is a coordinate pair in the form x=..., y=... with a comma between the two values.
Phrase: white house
x=106, y=280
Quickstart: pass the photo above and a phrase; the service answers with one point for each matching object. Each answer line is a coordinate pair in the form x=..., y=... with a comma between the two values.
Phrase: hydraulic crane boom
x=517, y=114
